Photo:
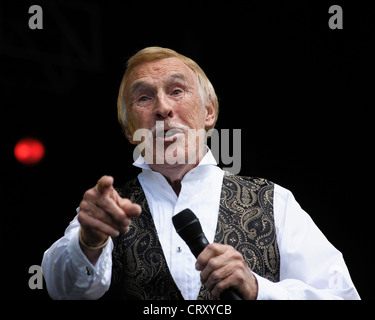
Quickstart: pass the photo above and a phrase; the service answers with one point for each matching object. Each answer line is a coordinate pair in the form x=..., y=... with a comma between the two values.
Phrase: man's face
x=167, y=91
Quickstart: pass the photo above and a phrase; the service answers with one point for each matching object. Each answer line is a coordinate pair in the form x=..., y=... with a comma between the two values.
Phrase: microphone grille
x=183, y=218
x=187, y=225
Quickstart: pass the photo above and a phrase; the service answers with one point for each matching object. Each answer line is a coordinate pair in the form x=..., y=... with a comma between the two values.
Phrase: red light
x=29, y=151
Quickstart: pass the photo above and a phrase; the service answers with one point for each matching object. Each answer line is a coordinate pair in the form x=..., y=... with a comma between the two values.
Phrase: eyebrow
x=135, y=85
x=139, y=83
x=178, y=75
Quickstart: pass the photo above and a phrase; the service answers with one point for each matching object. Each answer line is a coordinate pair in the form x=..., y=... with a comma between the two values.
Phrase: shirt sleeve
x=310, y=266
x=69, y=274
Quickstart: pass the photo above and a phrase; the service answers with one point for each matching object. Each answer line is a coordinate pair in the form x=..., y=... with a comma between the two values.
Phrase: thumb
x=104, y=185
x=132, y=209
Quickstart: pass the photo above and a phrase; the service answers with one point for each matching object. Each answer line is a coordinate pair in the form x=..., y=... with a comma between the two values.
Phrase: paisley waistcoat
x=245, y=221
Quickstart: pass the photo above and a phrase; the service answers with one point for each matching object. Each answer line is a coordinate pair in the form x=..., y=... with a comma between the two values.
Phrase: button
x=179, y=249
x=88, y=271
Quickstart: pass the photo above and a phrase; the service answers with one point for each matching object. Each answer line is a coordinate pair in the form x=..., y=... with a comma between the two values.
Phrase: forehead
x=162, y=69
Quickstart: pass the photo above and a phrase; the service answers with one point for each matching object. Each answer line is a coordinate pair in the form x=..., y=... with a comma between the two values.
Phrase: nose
x=163, y=107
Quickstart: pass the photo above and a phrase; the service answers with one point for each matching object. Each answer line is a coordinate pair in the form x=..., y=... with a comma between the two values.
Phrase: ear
x=210, y=115
x=129, y=135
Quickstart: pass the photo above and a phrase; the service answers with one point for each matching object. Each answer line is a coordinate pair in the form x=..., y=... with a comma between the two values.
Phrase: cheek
x=138, y=118
x=194, y=111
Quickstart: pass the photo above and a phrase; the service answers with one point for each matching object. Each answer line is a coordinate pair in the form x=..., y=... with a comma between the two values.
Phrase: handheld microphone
x=190, y=230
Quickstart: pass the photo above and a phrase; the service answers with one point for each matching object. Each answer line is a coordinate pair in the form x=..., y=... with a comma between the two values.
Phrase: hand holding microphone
x=223, y=270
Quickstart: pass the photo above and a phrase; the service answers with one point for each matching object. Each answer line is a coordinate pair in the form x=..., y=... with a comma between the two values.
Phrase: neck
x=175, y=173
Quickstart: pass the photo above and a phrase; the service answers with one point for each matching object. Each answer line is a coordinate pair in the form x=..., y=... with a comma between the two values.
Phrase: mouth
x=171, y=132
x=168, y=134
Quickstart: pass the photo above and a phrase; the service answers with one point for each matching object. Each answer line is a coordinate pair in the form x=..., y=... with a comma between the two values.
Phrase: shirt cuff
x=99, y=275
x=268, y=290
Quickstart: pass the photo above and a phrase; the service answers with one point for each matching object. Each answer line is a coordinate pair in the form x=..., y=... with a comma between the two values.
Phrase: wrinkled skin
x=165, y=90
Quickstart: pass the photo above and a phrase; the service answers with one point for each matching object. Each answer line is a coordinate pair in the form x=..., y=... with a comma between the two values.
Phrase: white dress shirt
x=310, y=267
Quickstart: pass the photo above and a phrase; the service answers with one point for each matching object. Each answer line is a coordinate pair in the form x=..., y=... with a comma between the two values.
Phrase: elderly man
x=122, y=244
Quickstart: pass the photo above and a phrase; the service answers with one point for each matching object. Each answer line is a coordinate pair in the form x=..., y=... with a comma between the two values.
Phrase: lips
x=171, y=132
x=168, y=134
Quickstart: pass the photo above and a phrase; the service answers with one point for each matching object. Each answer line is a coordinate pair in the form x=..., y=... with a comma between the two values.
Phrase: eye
x=176, y=92
x=143, y=99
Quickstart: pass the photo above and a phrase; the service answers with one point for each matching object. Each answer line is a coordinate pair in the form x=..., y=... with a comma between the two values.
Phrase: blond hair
x=150, y=54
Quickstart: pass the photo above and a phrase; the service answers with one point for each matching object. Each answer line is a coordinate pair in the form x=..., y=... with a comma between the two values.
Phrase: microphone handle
x=197, y=245
x=229, y=294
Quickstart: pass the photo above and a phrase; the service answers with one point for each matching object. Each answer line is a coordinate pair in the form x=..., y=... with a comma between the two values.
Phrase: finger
x=229, y=270
x=105, y=208
x=96, y=212
x=212, y=266
x=218, y=275
x=131, y=209
x=105, y=184
x=87, y=221
x=218, y=288
x=240, y=280
x=111, y=214
x=112, y=209
x=212, y=250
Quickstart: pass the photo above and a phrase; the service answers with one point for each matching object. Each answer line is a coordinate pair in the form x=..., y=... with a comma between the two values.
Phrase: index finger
x=104, y=184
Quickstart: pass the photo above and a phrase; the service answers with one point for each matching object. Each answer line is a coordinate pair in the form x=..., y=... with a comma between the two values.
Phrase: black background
x=300, y=92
